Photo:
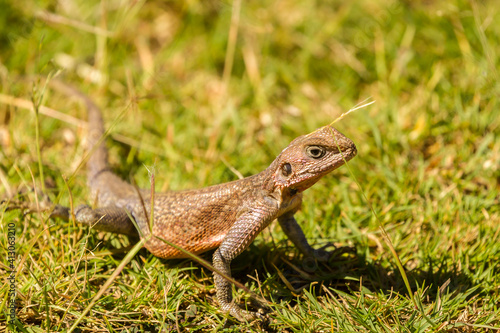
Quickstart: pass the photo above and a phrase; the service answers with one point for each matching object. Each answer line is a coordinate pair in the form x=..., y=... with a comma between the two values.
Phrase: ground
x=201, y=91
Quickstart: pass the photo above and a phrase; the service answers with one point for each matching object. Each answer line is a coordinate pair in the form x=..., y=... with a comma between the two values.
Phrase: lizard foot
x=244, y=315
x=323, y=255
x=311, y=259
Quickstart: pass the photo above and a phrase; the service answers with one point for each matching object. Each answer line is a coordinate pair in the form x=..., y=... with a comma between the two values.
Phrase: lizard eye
x=315, y=151
x=286, y=169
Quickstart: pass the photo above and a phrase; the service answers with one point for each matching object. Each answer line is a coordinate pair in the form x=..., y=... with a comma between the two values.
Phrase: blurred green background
x=197, y=89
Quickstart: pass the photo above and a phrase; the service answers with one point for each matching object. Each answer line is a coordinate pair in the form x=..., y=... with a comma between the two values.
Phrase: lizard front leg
x=294, y=232
x=242, y=233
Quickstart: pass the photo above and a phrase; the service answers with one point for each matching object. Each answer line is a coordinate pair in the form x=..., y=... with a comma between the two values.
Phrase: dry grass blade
x=58, y=19
x=108, y=283
x=28, y=105
x=357, y=107
x=55, y=114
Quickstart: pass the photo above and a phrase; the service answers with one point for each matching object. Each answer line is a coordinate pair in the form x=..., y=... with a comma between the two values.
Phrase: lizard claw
x=246, y=315
x=322, y=255
x=311, y=259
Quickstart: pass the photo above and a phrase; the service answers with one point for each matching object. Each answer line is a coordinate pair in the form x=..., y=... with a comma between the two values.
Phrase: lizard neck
x=286, y=198
x=267, y=176
x=273, y=189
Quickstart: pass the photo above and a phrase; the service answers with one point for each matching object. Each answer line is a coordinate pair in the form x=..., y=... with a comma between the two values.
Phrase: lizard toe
x=244, y=315
x=322, y=255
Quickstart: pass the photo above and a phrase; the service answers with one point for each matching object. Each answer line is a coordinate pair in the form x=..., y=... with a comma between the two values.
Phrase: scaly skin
x=225, y=217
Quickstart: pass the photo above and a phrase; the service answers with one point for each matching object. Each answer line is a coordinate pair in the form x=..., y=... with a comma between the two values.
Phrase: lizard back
x=196, y=220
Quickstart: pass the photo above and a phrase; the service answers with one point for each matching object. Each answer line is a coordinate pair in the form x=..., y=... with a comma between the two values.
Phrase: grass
x=428, y=161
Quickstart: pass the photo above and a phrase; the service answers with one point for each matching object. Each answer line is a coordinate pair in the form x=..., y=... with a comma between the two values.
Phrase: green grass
x=428, y=161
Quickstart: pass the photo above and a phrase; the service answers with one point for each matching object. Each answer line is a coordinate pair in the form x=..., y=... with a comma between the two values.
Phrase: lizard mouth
x=349, y=152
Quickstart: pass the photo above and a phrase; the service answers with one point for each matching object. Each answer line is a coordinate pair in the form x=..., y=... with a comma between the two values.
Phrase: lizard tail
x=106, y=187
x=98, y=153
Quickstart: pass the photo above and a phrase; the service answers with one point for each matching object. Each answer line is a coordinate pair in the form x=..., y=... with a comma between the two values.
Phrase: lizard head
x=310, y=157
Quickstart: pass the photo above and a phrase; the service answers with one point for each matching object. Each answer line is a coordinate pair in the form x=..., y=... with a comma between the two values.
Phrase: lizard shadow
x=350, y=269
x=279, y=273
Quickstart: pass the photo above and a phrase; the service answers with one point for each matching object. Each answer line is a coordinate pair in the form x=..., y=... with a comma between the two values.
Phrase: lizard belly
x=196, y=234
x=162, y=249
x=187, y=224
x=195, y=220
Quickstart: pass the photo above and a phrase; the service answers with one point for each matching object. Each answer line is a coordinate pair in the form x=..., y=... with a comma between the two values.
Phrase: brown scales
x=226, y=217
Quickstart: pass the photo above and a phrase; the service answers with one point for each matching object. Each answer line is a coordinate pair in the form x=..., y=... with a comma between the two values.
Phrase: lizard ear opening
x=286, y=169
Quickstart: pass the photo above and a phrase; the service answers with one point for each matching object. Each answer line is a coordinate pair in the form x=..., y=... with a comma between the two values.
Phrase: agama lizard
x=225, y=217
